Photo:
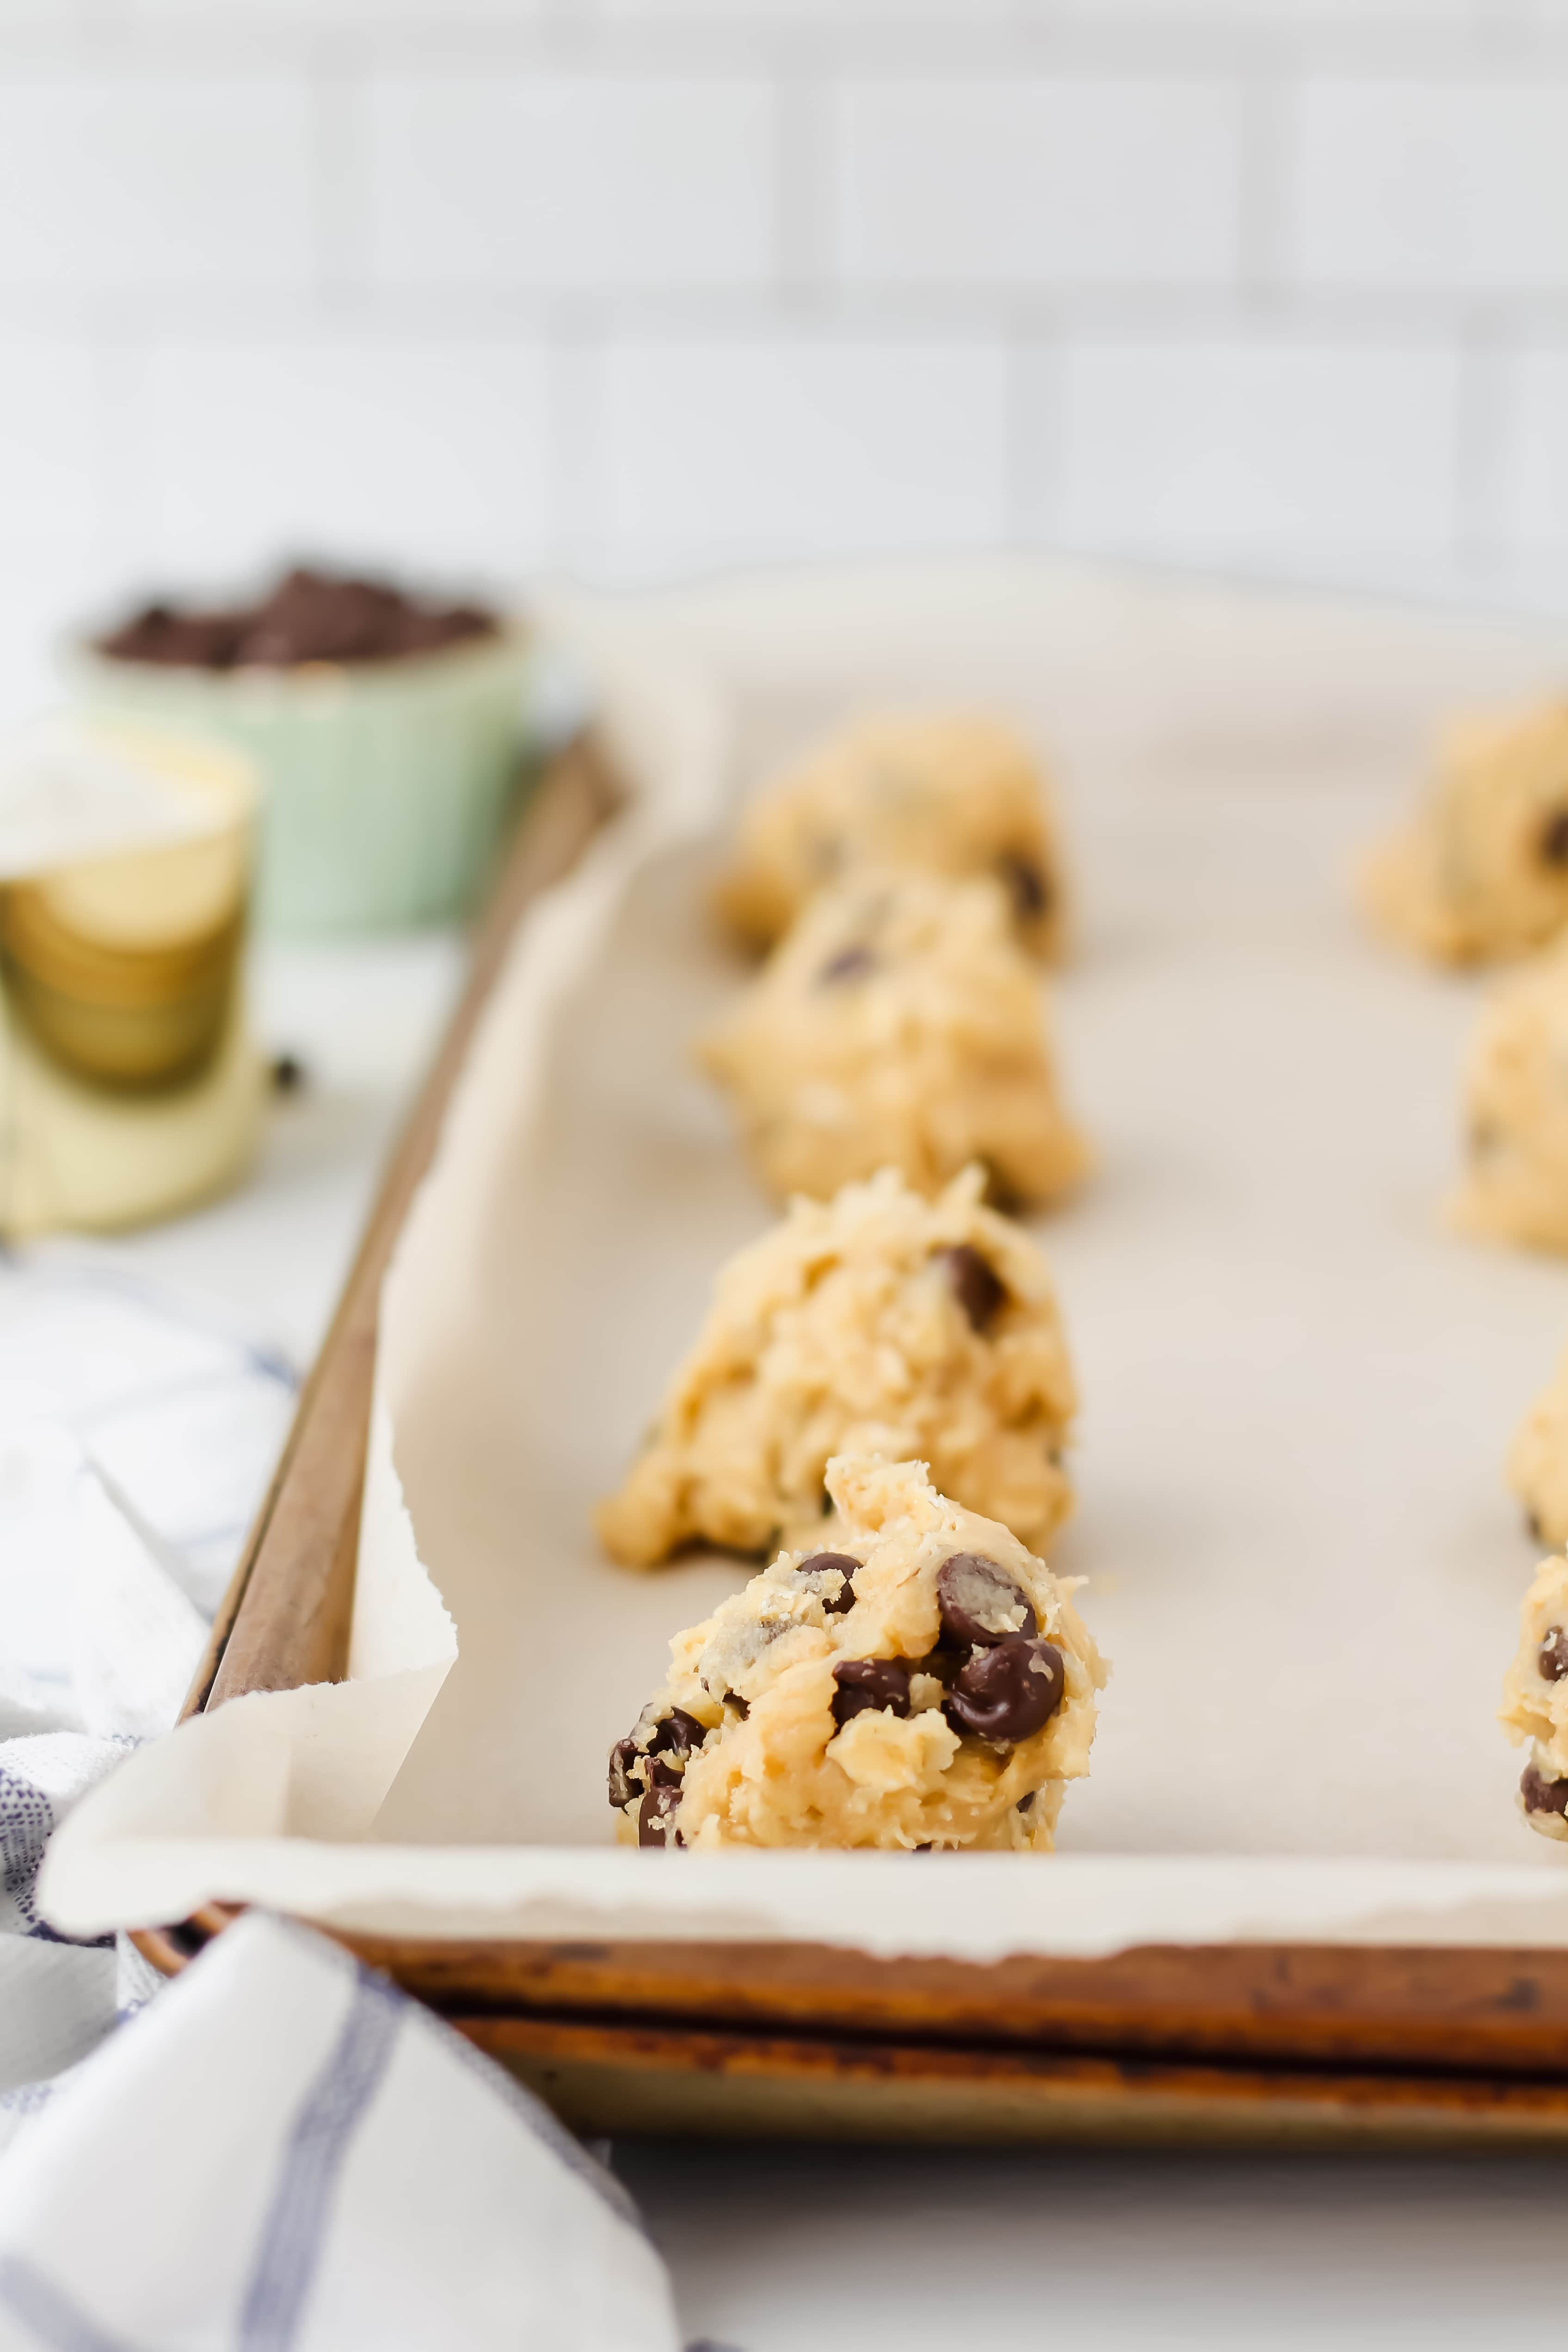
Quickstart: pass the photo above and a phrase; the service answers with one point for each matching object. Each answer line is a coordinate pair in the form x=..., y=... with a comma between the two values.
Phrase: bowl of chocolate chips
x=390, y=730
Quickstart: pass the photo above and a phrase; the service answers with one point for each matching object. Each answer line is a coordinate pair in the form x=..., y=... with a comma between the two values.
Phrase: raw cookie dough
x=946, y=795
x=1535, y=1700
x=875, y=1322
x=925, y=1683
x=1515, y=1186
x=1538, y=1461
x=1481, y=870
x=898, y=1025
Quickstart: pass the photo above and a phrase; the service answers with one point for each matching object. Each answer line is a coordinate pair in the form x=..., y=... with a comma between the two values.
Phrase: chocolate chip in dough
x=865, y=1682
x=849, y=963
x=980, y=1601
x=676, y=1734
x=1552, y=1656
x=1028, y=886
x=824, y=1563
x=975, y=1284
x=1542, y=1795
x=653, y=1827
x=1554, y=838
x=1533, y=1527
x=1006, y=1693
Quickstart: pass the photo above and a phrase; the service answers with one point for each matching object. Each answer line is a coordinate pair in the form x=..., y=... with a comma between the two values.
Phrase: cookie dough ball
x=1481, y=871
x=898, y=1025
x=1535, y=1700
x=925, y=1683
x=1538, y=1462
x=1515, y=1185
x=953, y=794
x=875, y=1322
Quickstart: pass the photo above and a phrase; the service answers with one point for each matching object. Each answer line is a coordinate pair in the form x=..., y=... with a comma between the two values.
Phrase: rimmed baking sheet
x=1296, y=1389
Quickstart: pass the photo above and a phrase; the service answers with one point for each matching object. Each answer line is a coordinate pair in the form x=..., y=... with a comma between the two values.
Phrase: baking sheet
x=1296, y=1389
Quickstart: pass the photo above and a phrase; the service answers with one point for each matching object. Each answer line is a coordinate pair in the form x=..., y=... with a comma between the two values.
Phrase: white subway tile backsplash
x=1460, y=184
x=1027, y=181
x=569, y=181
x=1262, y=446
x=135, y=183
x=423, y=453
x=708, y=450
x=50, y=483
x=471, y=284
x=1532, y=515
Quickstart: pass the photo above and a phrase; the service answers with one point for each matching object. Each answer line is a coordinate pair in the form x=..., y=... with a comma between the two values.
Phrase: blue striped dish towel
x=285, y=2154
x=137, y=1432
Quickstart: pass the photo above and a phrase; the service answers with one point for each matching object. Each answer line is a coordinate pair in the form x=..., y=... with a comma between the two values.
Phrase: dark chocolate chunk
x=1553, y=840
x=288, y=1074
x=1028, y=887
x=676, y=1734
x=979, y=1602
x=1006, y=1693
x=308, y=616
x=653, y=1813
x=870, y=1682
x=975, y=1282
x=822, y=1563
x=1026, y=1802
x=1553, y=1657
x=1537, y=1532
x=1542, y=1795
x=849, y=963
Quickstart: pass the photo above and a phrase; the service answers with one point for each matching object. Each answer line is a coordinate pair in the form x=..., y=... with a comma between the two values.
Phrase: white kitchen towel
x=136, y=1436
x=285, y=2154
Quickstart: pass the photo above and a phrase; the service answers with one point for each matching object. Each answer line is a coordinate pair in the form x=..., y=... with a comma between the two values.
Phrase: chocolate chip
x=849, y=963
x=1532, y=1522
x=1026, y=1802
x=653, y=1817
x=865, y=1682
x=975, y=1284
x=1553, y=841
x=979, y=1602
x=1553, y=1657
x=824, y=1563
x=1542, y=1795
x=1006, y=1693
x=310, y=616
x=288, y=1074
x=1028, y=887
x=677, y=1734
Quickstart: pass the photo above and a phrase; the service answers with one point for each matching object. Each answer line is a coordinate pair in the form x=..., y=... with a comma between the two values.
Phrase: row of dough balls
x=905, y=882
x=881, y=1393
x=882, y=1389
x=1480, y=875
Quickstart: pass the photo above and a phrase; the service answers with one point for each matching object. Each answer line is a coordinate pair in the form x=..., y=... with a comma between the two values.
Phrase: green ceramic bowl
x=386, y=783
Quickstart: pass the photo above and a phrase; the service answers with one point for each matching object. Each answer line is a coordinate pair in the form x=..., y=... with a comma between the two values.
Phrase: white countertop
x=778, y=2249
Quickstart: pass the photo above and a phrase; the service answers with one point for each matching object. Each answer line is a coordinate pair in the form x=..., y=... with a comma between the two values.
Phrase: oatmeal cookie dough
x=950, y=794
x=1515, y=1086
x=925, y=1683
x=1535, y=1700
x=898, y=1025
x=1538, y=1461
x=1481, y=870
x=875, y=1322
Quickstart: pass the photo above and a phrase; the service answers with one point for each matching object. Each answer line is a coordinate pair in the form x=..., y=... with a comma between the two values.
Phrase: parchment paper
x=1297, y=1388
